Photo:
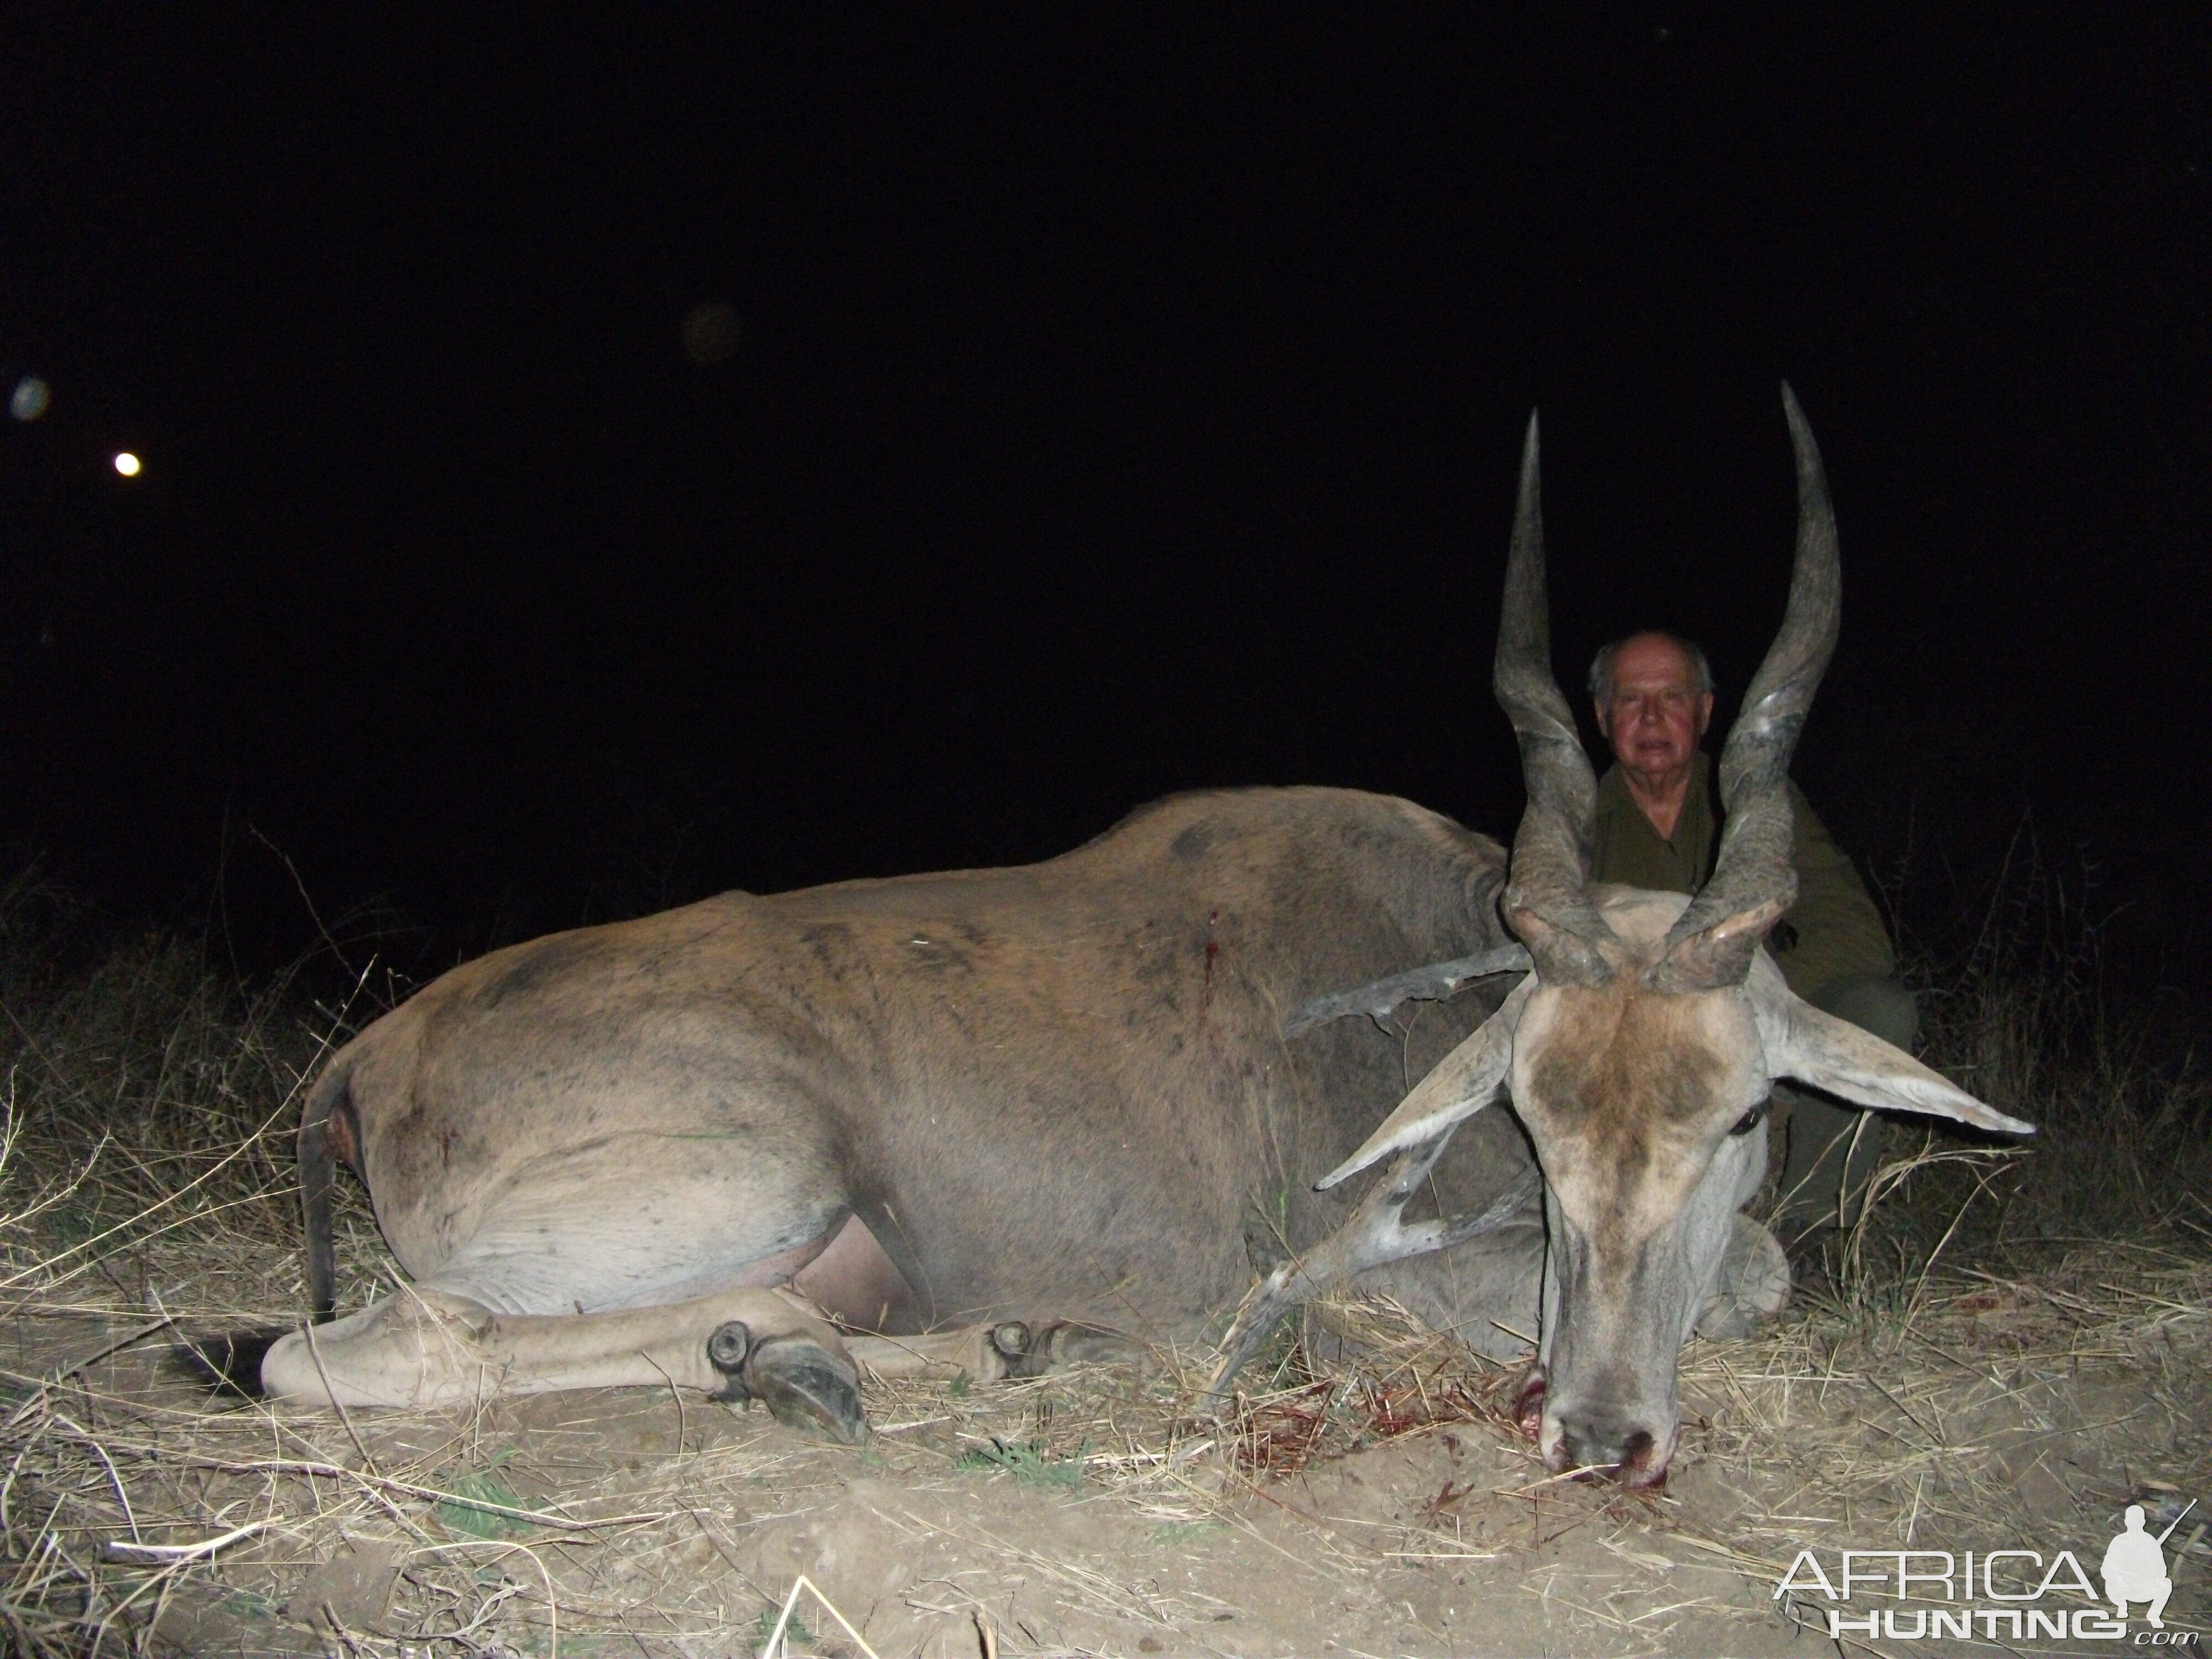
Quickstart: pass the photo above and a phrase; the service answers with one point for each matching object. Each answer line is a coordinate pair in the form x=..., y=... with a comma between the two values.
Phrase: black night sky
x=1112, y=407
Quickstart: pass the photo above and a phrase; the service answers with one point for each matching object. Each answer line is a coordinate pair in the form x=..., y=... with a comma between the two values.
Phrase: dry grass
x=2016, y=1007
x=2008, y=1338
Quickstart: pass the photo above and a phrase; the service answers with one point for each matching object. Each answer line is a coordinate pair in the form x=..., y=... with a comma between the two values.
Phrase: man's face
x=1655, y=716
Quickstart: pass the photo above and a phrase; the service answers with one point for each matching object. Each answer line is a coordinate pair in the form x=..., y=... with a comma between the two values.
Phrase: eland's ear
x=1464, y=1082
x=1833, y=1054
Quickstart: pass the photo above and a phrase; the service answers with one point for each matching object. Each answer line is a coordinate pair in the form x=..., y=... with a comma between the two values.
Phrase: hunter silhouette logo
x=1997, y=1593
x=2134, y=1566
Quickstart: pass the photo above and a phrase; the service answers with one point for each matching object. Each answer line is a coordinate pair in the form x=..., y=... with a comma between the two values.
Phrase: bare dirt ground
x=1385, y=1507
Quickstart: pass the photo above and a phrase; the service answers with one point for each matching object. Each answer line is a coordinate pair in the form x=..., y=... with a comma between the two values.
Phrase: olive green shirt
x=1830, y=931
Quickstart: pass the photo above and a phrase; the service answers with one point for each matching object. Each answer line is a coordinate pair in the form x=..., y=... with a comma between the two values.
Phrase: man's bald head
x=1600, y=674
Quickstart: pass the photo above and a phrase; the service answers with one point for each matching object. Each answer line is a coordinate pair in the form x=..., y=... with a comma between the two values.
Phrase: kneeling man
x=1659, y=826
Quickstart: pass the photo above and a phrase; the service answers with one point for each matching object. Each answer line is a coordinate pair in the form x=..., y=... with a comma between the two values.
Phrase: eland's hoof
x=807, y=1387
x=1013, y=1338
x=1067, y=1343
x=728, y=1347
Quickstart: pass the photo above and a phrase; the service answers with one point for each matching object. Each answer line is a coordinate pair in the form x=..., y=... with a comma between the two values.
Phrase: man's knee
x=1875, y=1003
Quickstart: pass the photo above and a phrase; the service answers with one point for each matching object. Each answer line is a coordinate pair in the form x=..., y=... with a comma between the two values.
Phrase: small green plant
x=1031, y=1464
x=474, y=1502
x=764, y=1627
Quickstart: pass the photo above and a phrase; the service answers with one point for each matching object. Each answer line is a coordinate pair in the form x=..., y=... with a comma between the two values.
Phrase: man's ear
x=1836, y=1056
x=1704, y=712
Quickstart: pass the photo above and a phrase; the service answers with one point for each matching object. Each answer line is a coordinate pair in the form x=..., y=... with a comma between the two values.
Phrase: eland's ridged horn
x=1548, y=895
x=1753, y=880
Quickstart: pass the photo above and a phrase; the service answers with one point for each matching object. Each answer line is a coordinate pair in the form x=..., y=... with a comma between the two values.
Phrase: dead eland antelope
x=983, y=1120
x=1640, y=1053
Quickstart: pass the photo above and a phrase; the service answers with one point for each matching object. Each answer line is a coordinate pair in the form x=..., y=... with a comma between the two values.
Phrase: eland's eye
x=1751, y=1120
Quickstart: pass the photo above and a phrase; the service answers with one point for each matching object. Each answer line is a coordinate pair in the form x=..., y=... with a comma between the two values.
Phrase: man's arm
x=1837, y=931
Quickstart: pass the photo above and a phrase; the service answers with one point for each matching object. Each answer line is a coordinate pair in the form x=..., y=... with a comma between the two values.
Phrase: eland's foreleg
x=1374, y=1235
x=425, y=1346
x=991, y=1353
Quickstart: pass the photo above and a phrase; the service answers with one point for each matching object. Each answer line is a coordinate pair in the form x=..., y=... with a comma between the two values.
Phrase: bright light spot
x=30, y=399
x=127, y=464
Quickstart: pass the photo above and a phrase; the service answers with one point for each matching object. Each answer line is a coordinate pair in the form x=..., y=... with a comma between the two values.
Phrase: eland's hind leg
x=634, y=1259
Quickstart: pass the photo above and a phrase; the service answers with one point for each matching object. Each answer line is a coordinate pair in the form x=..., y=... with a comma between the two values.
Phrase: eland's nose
x=1609, y=1445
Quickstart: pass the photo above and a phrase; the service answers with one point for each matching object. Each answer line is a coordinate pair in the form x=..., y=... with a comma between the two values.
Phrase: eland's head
x=1640, y=1051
